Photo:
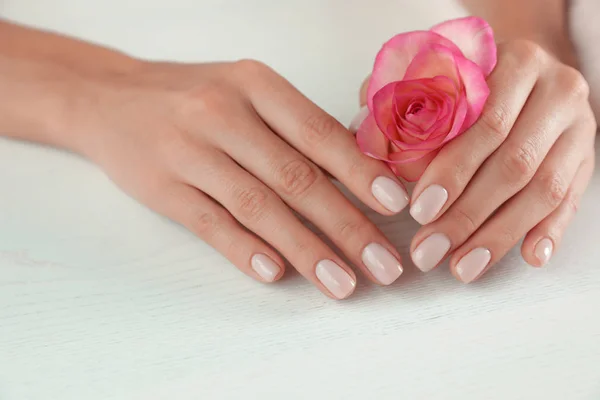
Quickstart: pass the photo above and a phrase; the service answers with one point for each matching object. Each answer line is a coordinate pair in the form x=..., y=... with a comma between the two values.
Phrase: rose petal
x=434, y=60
x=383, y=106
x=475, y=39
x=424, y=119
x=435, y=88
x=459, y=119
x=371, y=140
x=395, y=56
x=476, y=89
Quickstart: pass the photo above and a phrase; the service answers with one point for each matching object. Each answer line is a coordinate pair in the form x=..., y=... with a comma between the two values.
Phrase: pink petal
x=424, y=119
x=432, y=61
x=475, y=39
x=371, y=140
x=459, y=120
x=476, y=89
x=395, y=56
x=383, y=106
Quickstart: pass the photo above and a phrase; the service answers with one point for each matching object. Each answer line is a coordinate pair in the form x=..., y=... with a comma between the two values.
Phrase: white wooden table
x=101, y=299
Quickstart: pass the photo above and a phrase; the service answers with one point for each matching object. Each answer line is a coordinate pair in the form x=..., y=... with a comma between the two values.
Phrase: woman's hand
x=230, y=151
x=519, y=171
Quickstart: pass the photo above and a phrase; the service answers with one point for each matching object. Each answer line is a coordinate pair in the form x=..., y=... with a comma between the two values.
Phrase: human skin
x=522, y=168
x=229, y=150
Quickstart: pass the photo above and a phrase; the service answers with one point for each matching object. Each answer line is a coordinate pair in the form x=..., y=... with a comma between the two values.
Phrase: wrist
x=80, y=121
x=50, y=100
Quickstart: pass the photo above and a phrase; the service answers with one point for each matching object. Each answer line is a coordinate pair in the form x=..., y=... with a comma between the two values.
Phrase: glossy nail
x=265, y=267
x=431, y=251
x=383, y=265
x=389, y=193
x=358, y=119
x=429, y=204
x=543, y=250
x=472, y=264
x=335, y=279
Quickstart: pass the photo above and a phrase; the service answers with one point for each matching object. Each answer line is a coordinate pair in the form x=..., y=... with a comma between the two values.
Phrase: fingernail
x=431, y=251
x=390, y=194
x=265, y=267
x=472, y=264
x=429, y=204
x=543, y=250
x=383, y=265
x=358, y=119
x=335, y=279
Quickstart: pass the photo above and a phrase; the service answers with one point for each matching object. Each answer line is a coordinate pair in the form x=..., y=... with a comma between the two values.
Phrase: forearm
x=542, y=21
x=40, y=76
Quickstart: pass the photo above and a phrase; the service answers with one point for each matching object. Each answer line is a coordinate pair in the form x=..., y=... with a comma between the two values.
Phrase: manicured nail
x=472, y=264
x=429, y=204
x=383, y=265
x=335, y=279
x=265, y=267
x=390, y=194
x=358, y=119
x=543, y=250
x=431, y=251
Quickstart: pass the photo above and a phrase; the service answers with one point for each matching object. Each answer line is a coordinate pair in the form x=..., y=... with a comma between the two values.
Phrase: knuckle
x=496, y=121
x=359, y=166
x=318, y=128
x=349, y=230
x=572, y=203
x=553, y=189
x=251, y=203
x=507, y=238
x=527, y=53
x=572, y=83
x=462, y=221
x=297, y=177
x=204, y=224
x=519, y=163
x=250, y=67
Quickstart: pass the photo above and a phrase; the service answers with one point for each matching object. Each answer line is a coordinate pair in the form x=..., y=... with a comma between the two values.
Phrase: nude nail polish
x=335, y=279
x=265, y=267
x=429, y=204
x=472, y=264
x=358, y=119
x=543, y=250
x=431, y=251
x=384, y=266
x=390, y=194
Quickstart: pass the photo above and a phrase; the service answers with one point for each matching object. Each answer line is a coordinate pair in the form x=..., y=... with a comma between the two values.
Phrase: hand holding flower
x=515, y=168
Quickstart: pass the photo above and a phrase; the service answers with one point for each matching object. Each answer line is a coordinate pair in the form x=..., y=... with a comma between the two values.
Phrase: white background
x=102, y=299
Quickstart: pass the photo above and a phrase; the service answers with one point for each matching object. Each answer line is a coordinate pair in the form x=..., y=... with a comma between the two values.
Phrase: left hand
x=519, y=171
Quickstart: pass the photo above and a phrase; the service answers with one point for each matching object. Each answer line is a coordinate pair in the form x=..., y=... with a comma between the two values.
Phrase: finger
x=304, y=187
x=326, y=142
x=214, y=225
x=544, y=239
x=505, y=173
x=257, y=208
x=535, y=202
x=510, y=85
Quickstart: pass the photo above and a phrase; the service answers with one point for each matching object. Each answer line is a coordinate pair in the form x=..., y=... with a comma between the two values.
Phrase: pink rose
x=427, y=88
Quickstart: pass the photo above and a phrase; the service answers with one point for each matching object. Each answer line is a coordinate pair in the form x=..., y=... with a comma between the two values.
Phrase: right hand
x=229, y=150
